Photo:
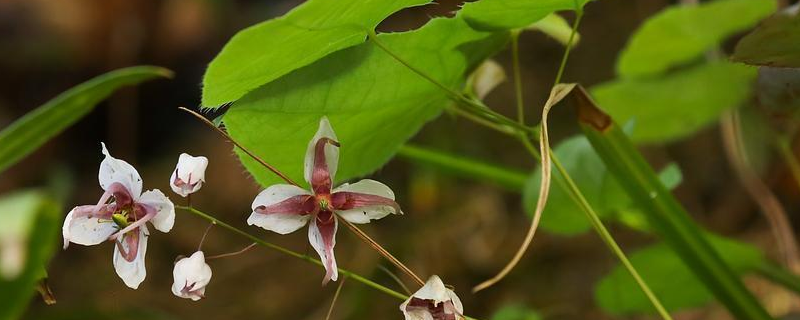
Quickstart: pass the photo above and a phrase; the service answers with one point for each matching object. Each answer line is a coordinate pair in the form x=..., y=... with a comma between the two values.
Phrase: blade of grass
x=665, y=214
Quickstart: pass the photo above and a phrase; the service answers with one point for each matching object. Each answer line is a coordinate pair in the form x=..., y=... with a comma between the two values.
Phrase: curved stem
x=235, y=253
x=574, y=192
x=575, y=25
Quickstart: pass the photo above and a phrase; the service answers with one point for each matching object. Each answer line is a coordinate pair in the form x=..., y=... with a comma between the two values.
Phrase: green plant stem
x=568, y=49
x=779, y=275
x=510, y=179
x=283, y=250
x=346, y=273
x=576, y=194
x=517, y=76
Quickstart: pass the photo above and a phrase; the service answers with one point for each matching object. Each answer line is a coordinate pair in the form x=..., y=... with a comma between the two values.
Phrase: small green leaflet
x=501, y=15
x=775, y=43
x=677, y=104
x=266, y=51
x=681, y=33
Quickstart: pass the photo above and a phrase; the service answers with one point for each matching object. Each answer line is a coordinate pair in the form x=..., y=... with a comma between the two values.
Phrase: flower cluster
x=123, y=211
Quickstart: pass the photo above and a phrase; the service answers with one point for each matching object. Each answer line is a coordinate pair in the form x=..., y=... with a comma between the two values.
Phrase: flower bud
x=189, y=174
x=191, y=276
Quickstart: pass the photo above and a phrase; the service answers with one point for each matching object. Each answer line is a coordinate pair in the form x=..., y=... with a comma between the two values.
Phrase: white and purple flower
x=285, y=208
x=433, y=301
x=189, y=175
x=191, y=276
x=120, y=216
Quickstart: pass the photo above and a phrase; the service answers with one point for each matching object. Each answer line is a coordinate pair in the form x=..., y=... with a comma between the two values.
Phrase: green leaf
x=496, y=15
x=775, y=43
x=266, y=51
x=28, y=230
x=374, y=103
x=669, y=278
x=515, y=312
x=682, y=33
x=562, y=215
x=37, y=127
x=678, y=104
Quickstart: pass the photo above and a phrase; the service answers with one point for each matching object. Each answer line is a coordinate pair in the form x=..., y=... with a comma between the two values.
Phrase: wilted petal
x=114, y=170
x=433, y=302
x=191, y=276
x=82, y=228
x=363, y=201
x=129, y=263
x=189, y=174
x=282, y=208
x=164, y=218
x=322, y=158
x=322, y=235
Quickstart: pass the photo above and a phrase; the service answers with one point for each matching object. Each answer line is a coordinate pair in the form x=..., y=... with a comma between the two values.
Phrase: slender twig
x=335, y=297
x=227, y=137
x=565, y=57
x=374, y=244
x=395, y=278
x=230, y=254
x=203, y=239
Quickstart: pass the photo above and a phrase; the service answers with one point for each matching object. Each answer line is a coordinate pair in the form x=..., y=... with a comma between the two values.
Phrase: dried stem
x=770, y=206
x=335, y=297
x=230, y=254
x=252, y=155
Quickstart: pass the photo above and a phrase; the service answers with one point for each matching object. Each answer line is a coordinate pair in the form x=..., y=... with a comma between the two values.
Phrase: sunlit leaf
x=28, y=229
x=669, y=278
x=271, y=49
x=776, y=43
x=373, y=102
x=683, y=33
x=677, y=104
x=513, y=14
x=37, y=127
x=562, y=215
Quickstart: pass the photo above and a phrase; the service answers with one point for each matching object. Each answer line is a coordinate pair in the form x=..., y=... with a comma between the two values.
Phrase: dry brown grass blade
x=558, y=93
x=770, y=206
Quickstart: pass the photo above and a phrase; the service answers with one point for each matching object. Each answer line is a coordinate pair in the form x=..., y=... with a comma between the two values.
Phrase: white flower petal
x=114, y=170
x=165, y=209
x=435, y=291
x=282, y=223
x=331, y=151
x=192, y=272
x=317, y=240
x=192, y=174
x=85, y=230
x=134, y=272
x=367, y=213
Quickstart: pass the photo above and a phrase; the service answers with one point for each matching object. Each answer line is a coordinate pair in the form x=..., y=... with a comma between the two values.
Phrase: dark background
x=462, y=230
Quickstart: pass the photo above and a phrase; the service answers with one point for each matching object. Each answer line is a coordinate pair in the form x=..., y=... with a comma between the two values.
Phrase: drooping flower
x=189, y=175
x=191, y=276
x=285, y=208
x=120, y=216
x=433, y=301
